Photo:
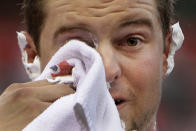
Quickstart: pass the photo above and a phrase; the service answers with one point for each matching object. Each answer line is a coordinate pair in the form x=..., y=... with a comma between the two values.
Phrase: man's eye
x=87, y=41
x=132, y=41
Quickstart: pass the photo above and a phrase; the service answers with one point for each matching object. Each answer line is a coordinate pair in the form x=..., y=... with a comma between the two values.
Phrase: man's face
x=130, y=41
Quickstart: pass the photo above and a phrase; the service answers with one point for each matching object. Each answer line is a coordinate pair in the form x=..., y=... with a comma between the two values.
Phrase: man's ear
x=30, y=48
x=168, y=40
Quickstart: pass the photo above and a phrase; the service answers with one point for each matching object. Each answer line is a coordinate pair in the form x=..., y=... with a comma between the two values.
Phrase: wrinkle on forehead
x=97, y=8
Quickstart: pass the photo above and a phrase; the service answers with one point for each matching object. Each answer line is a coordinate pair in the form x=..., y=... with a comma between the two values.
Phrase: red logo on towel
x=61, y=69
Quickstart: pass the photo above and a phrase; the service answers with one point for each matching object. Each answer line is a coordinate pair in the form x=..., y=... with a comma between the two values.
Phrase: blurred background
x=178, y=107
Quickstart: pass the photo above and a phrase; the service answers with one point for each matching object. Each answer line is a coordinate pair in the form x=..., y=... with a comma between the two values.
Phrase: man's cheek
x=151, y=80
x=148, y=84
x=151, y=67
x=147, y=76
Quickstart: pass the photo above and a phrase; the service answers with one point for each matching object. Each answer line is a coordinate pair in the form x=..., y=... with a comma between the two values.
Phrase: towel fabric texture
x=91, y=108
x=33, y=69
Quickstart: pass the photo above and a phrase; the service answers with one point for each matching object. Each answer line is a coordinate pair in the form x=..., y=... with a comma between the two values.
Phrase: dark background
x=178, y=107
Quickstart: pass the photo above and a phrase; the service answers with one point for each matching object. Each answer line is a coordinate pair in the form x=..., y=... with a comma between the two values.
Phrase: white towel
x=91, y=108
x=33, y=69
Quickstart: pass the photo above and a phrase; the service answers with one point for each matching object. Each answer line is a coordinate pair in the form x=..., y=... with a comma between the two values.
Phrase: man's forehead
x=98, y=4
x=106, y=13
x=103, y=10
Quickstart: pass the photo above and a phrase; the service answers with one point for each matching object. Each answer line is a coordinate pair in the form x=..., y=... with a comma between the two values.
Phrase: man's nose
x=111, y=64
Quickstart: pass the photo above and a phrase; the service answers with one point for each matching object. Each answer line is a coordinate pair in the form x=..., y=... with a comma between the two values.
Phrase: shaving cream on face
x=33, y=69
x=176, y=43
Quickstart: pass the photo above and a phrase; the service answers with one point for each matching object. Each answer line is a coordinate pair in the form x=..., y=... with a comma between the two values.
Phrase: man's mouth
x=120, y=99
x=119, y=103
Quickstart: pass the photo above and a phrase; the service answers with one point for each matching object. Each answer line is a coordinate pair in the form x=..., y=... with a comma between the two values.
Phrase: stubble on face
x=107, y=21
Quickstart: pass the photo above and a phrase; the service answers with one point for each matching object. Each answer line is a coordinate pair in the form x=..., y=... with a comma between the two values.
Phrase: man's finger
x=37, y=83
x=51, y=93
x=16, y=86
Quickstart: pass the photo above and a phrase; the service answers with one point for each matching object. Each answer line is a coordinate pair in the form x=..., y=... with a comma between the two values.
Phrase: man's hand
x=21, y=103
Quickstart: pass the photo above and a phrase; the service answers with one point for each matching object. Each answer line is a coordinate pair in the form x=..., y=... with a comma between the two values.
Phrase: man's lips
x=119, y=101
x=121, y=97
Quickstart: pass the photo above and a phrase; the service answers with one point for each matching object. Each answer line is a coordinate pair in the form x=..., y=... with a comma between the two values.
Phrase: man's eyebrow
x=142, y=21
x=63, y=29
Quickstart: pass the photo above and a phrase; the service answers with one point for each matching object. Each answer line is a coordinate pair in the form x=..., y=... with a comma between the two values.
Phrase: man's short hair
x=34, y=16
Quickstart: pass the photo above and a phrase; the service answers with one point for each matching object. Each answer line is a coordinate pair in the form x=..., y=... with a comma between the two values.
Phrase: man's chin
x=126, y=115
x=132, y=120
